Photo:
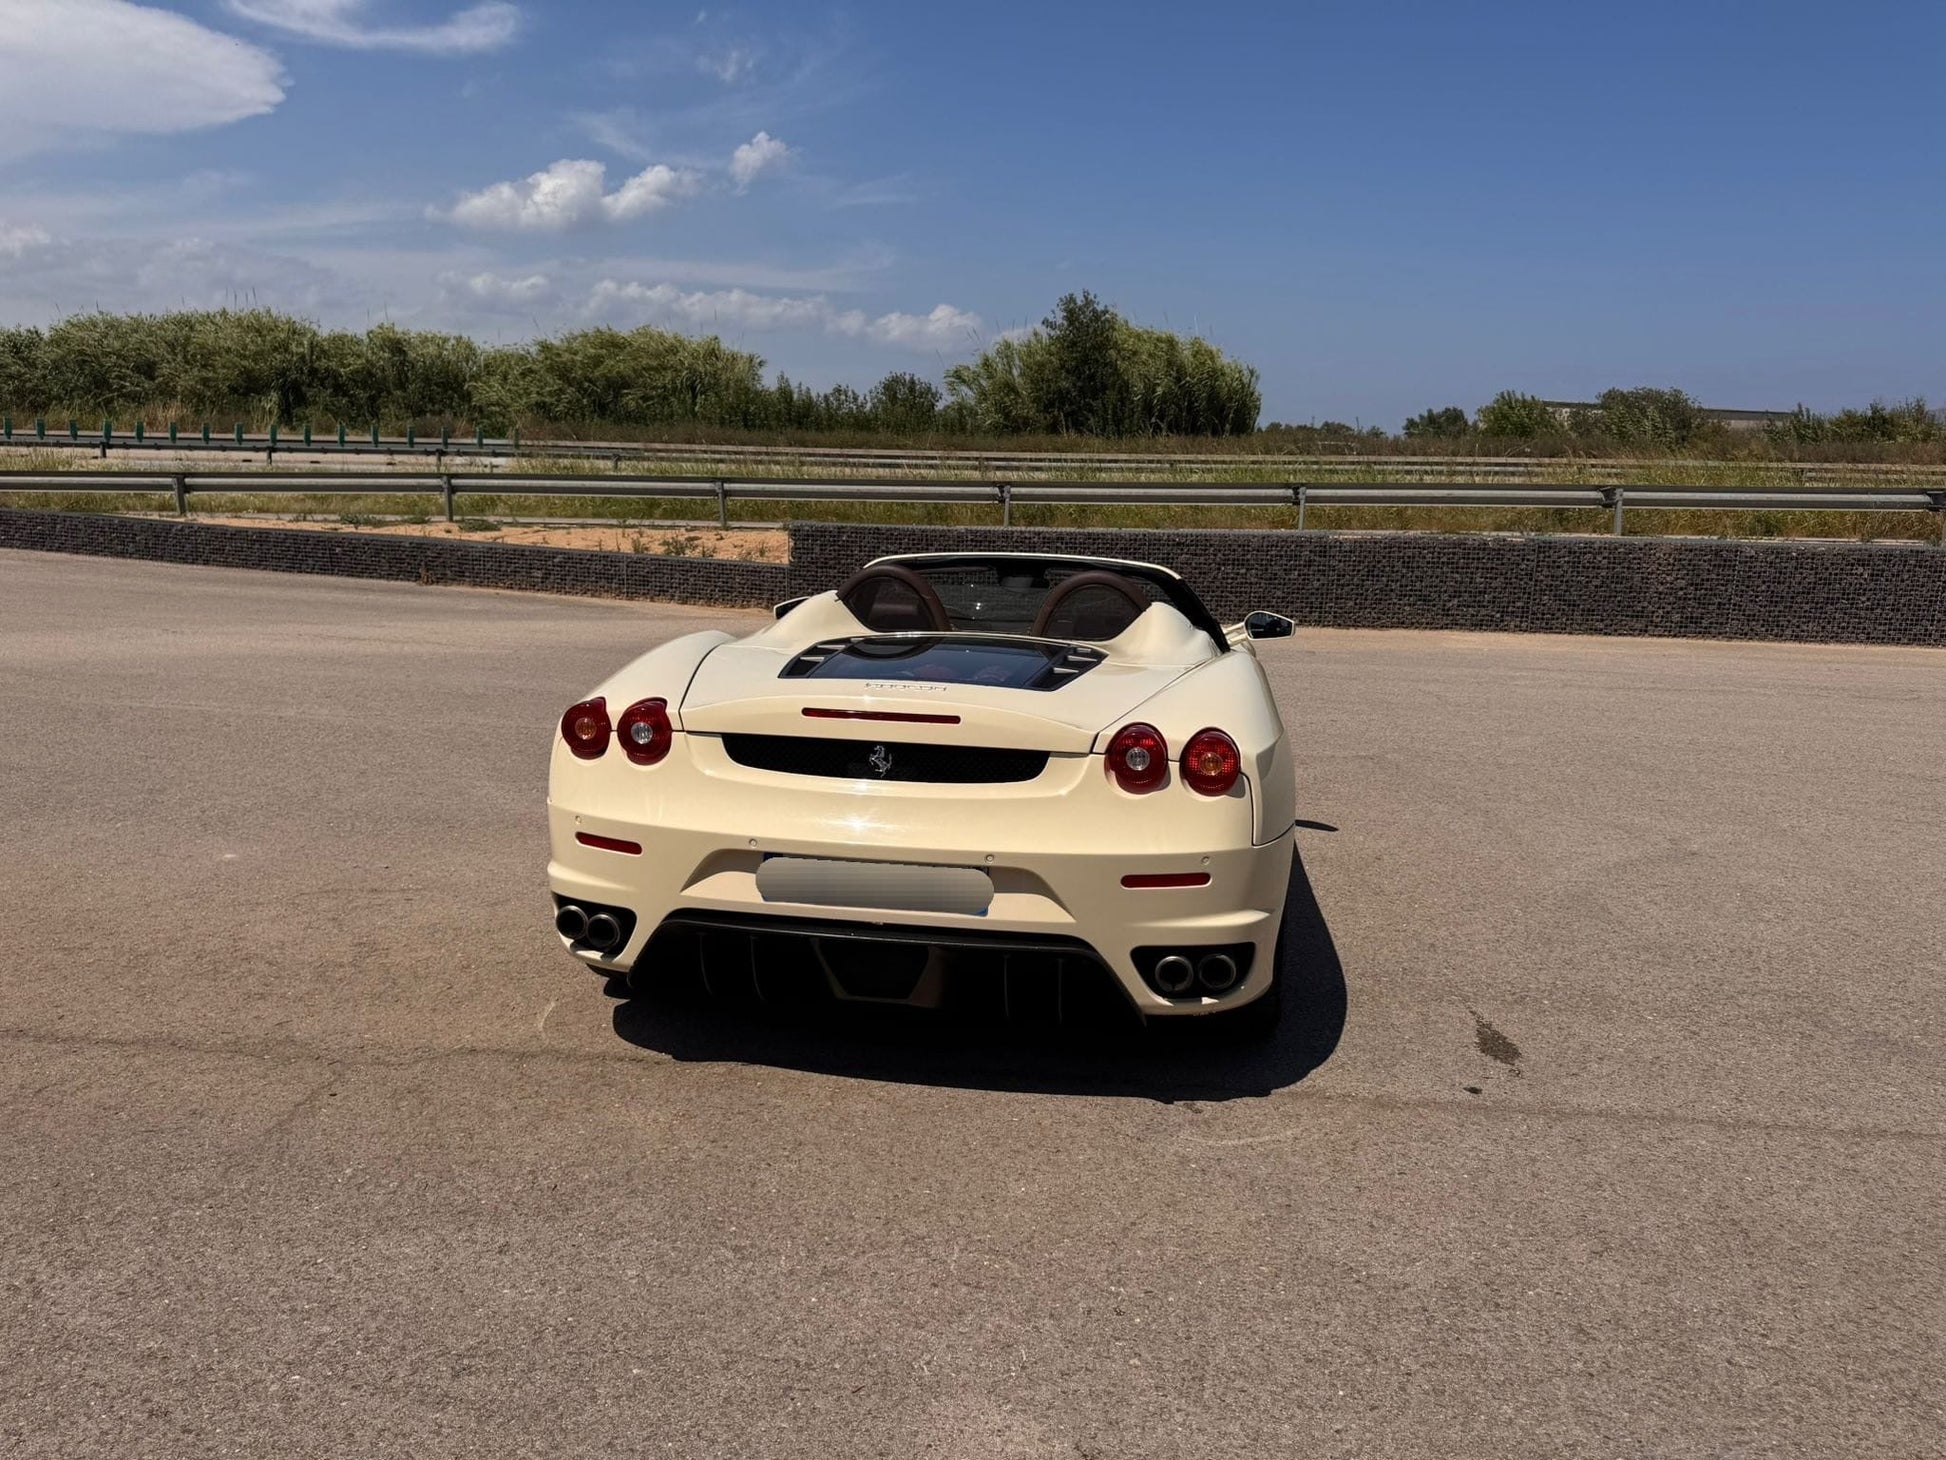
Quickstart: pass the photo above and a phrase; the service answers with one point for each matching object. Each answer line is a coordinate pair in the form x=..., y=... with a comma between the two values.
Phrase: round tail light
x=645, y=732
x=1138, y=758
x=585, y=728
x=1210, y=762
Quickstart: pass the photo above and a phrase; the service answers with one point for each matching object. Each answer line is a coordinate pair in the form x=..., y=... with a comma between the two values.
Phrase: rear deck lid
x=948, y=689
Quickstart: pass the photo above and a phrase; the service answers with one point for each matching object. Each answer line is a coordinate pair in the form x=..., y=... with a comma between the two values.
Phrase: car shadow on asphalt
x=1166, y=1061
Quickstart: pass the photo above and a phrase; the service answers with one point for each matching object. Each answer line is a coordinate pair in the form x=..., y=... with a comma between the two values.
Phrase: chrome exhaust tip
x=1174, y=974
x=602, y=933
x=1217, y=972
x=571, y=923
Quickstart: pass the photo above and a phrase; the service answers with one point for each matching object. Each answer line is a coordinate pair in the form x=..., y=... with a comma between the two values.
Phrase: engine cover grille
x=884, y=760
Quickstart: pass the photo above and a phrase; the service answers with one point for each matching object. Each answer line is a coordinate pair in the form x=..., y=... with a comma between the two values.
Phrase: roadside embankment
x=1816, y=592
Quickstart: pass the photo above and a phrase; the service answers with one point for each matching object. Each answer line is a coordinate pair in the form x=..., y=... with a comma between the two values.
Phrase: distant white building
x=1729, y=420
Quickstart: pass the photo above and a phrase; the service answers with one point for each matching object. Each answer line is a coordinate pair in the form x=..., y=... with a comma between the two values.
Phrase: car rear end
x=905, y=842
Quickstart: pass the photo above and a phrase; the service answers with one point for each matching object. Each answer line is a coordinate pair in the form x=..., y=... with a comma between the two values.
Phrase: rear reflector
x=896, y=715
x=616, y=844
x=1166, y=879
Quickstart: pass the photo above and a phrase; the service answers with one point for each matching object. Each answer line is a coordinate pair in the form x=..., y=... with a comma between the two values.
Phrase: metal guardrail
x=445, y=449
x=451, y=486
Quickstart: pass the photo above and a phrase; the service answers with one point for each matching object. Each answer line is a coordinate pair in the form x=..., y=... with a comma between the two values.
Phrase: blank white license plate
x=891, y=886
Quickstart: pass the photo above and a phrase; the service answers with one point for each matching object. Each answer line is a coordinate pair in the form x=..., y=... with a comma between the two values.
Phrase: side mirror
x=1264, y=625
x=790, y=603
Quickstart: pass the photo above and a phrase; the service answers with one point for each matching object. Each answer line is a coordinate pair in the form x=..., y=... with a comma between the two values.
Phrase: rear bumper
x=1056, y=850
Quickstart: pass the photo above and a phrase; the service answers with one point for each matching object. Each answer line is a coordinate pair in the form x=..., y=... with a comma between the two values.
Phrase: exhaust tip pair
x=600, y=931
x=1176, y=976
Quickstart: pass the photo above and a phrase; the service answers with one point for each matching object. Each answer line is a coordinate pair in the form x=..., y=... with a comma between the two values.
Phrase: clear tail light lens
x=645, y=732
x=1211, y=763
x=585, y=728
x=1138, y=758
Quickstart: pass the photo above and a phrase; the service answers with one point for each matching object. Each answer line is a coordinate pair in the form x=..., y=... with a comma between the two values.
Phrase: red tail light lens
x=645, y=732
x=585, y=728
x=1138, y=758
x=1210, y=762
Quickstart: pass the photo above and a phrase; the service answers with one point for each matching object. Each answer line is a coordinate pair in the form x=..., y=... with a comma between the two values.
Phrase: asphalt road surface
x=1609, y=1124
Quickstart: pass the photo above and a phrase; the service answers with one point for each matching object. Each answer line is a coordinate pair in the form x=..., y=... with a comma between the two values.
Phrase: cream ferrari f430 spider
x=1012, y=781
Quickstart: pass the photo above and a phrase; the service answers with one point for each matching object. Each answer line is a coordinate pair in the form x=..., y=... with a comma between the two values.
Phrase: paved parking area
x=1611, y=1127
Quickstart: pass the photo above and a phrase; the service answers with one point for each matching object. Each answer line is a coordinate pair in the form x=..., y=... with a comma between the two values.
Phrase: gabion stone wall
x=1853, y=593
x=1857, y=593
x=402, y=559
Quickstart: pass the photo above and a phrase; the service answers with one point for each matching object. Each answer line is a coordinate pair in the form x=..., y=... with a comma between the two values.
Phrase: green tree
x=1441, y=422
x=1087, y=370
x=1646, y=416
x=1086, y=393
x=904, y=402
x=1517, y=417
x=1909, y=420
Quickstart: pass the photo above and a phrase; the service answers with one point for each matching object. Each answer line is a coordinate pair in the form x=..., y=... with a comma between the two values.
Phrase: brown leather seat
x=888, y=599
x=1090, y=606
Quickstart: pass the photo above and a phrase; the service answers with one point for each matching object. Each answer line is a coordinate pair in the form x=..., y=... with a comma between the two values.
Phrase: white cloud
x=483, y=27
x=497, y=289
x=80, y=69
x=945, y=326
x=762, y=153
x=566, y=195
x=651, y=188
x=571, y=193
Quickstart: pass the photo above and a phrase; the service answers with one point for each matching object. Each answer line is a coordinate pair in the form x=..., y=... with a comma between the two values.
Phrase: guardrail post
x=722, y=504
x=172, y=433
x=182, y=497
x=479, y=437
x=206, y=433
x=446, y=490
x=1006, y=504
x=74, y=429
x=236, y=433
x=307, y=435
x=1303, y=502
x=40, y=428
x=516, y=438
x=374, y=433
x=9, y=424
x=411, y=438
x=341, y=435
x=271, y=452
x=445, y=439
x=1617, y=494
x=141, y=432
x=1939, y=511
x=107, y=435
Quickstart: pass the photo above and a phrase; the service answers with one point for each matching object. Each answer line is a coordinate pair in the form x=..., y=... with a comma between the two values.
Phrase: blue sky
x=1383, y=205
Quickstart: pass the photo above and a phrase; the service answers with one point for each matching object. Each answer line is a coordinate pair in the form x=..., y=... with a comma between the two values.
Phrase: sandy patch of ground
x=750, y=544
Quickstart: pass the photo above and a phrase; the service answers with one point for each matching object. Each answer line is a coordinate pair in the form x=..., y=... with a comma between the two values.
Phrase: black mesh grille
x=884, y=760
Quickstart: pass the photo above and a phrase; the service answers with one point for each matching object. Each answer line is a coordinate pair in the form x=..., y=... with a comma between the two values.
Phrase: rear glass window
x=1001, y=663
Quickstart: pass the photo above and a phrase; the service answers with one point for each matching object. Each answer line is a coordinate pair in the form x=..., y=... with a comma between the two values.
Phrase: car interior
x=1090, y=606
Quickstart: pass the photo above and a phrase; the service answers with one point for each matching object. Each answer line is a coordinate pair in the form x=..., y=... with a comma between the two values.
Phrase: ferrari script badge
x=881, y=759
